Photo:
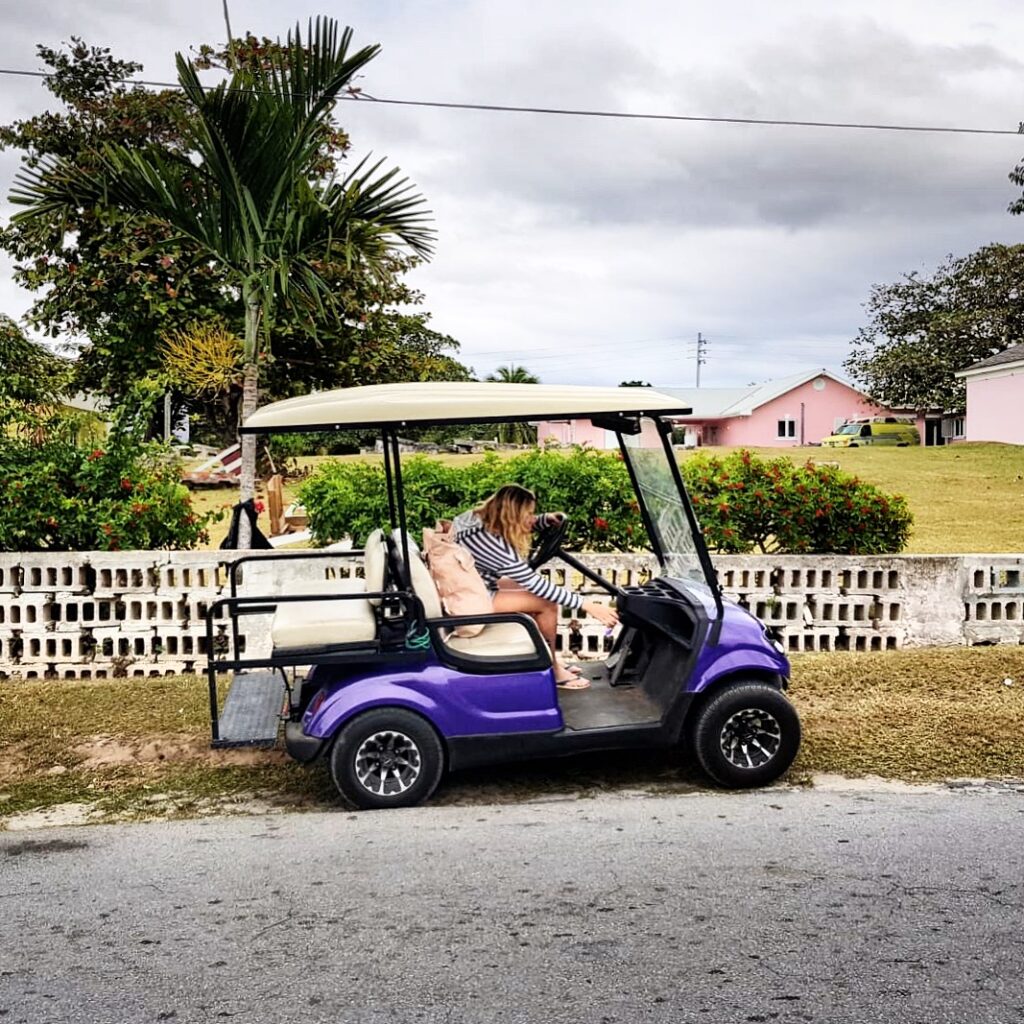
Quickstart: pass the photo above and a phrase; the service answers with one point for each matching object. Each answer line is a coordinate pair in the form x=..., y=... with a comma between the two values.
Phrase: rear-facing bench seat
x=304, y=624
x=319, y=625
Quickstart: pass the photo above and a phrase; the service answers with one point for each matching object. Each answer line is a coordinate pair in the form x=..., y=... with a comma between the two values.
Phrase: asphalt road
x=782, y=905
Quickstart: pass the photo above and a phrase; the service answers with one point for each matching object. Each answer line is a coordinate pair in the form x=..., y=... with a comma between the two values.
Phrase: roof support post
x=385, y=436
x=400, y=502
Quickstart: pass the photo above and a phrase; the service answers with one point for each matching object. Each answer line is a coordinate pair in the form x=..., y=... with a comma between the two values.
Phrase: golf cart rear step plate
x=252, y=711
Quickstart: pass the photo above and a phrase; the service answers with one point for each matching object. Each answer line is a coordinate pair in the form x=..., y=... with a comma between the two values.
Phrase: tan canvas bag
x=462, y=590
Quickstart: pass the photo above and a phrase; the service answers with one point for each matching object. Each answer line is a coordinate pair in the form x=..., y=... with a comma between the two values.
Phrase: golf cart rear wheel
x=387, y=757
x=747, y=735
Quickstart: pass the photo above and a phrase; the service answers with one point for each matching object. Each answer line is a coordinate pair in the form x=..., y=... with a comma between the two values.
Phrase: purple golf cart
x=368, y=674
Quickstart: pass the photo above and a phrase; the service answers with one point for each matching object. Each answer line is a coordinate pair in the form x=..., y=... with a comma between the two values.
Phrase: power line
x=625, y=115
x=365, y=99
x=511, y=352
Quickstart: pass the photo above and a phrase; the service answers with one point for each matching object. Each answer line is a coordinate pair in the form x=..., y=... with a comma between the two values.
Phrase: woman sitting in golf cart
x=498, y=535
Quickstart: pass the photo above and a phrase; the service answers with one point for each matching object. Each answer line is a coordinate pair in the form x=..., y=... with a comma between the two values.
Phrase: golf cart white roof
x=399, y=405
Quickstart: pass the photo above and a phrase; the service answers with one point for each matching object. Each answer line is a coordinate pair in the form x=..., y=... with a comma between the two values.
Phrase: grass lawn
x=140, y=747
x=965, y=498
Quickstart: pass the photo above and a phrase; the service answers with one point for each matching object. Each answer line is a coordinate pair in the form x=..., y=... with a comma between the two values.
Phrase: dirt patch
x=112, y=751
x=14, y=764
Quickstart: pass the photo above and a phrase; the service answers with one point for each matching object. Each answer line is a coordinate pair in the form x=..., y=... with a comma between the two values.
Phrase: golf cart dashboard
x=662, y=604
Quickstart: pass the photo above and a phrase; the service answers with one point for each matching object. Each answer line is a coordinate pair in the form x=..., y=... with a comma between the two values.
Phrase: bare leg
x=545, y=614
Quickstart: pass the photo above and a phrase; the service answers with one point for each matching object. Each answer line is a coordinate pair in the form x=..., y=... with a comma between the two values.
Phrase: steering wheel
x=549, y=541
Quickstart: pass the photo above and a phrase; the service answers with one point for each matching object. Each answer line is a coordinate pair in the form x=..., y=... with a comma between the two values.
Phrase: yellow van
x=889, y=431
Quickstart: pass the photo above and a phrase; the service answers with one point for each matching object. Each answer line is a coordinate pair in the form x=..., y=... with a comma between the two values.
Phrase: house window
x=953, y=428
x=787, y=428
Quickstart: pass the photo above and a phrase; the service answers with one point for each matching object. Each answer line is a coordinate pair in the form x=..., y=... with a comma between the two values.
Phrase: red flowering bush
x=749, y=504
x=61, y=494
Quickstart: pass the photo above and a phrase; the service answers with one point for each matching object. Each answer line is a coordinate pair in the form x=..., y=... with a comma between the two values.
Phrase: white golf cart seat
x=300, y=625
x=496, y=640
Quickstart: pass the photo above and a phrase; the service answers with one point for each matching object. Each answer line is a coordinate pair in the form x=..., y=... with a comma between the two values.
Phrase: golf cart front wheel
x=387, y=757
x=746, y=735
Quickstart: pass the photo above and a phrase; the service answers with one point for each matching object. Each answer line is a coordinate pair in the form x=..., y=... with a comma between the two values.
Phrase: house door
x=933, y=432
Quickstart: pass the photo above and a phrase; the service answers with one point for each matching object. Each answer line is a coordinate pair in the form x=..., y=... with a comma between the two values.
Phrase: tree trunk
x=250, y=380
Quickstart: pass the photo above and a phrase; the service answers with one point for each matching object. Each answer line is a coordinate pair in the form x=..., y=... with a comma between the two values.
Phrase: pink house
x=568, y=432
x=800, y=409
x=995, y=395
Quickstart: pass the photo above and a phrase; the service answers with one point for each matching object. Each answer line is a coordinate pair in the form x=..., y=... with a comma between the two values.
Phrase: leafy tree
x=921, y=330
x=29, y=373
x=245, y=191
x=1017, y=177
x=107, y=282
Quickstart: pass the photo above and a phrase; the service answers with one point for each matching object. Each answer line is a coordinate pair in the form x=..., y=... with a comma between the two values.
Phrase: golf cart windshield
x=668, y=517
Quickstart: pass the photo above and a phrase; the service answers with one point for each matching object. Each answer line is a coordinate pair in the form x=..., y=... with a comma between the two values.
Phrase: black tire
x=407, y=747
x=747, y=735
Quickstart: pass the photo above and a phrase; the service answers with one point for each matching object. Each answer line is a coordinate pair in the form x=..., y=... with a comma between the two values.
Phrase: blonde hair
x=502, y=515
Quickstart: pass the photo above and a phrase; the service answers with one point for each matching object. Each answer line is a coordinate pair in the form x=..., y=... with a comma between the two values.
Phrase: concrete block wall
x=103, y=614
x=88, y=615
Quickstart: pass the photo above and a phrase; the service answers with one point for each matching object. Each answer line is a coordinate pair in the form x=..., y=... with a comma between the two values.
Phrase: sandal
x=572, y=683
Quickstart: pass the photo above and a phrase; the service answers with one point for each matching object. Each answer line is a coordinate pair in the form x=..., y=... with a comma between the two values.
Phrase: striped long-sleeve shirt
x=495, y=557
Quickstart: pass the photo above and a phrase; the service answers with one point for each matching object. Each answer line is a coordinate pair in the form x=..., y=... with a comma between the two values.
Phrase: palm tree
x=246, y=191
x=515, y=433
x=513, y=374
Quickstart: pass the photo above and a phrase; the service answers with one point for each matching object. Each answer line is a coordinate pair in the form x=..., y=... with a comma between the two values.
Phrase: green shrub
x=744, y=503
x=348, y=498
x=63, y=494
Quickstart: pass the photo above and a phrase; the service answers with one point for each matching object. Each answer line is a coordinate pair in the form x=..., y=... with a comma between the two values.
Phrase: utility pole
x=231, y=38
x=702, y=354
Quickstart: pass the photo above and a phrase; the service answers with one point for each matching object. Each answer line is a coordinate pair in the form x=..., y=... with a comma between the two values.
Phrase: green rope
x=417, y=641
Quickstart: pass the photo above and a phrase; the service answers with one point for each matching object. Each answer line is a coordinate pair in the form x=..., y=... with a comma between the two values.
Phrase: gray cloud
x=595, y=250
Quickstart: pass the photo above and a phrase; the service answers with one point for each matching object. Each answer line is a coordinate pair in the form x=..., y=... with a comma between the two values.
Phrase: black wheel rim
x=388, y=763
x=750, y=738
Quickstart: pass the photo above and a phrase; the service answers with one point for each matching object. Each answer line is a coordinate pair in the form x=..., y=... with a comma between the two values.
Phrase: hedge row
x=744, y=503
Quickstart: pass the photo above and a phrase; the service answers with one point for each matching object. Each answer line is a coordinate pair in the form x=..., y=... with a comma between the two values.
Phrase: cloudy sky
x=594, y=250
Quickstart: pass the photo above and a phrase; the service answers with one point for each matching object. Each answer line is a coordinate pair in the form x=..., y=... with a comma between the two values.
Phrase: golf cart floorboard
x=252, y=710
x=601, y=705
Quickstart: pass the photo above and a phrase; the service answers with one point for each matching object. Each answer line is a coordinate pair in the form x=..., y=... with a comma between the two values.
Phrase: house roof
x=1014, y=354
x=723, y=403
